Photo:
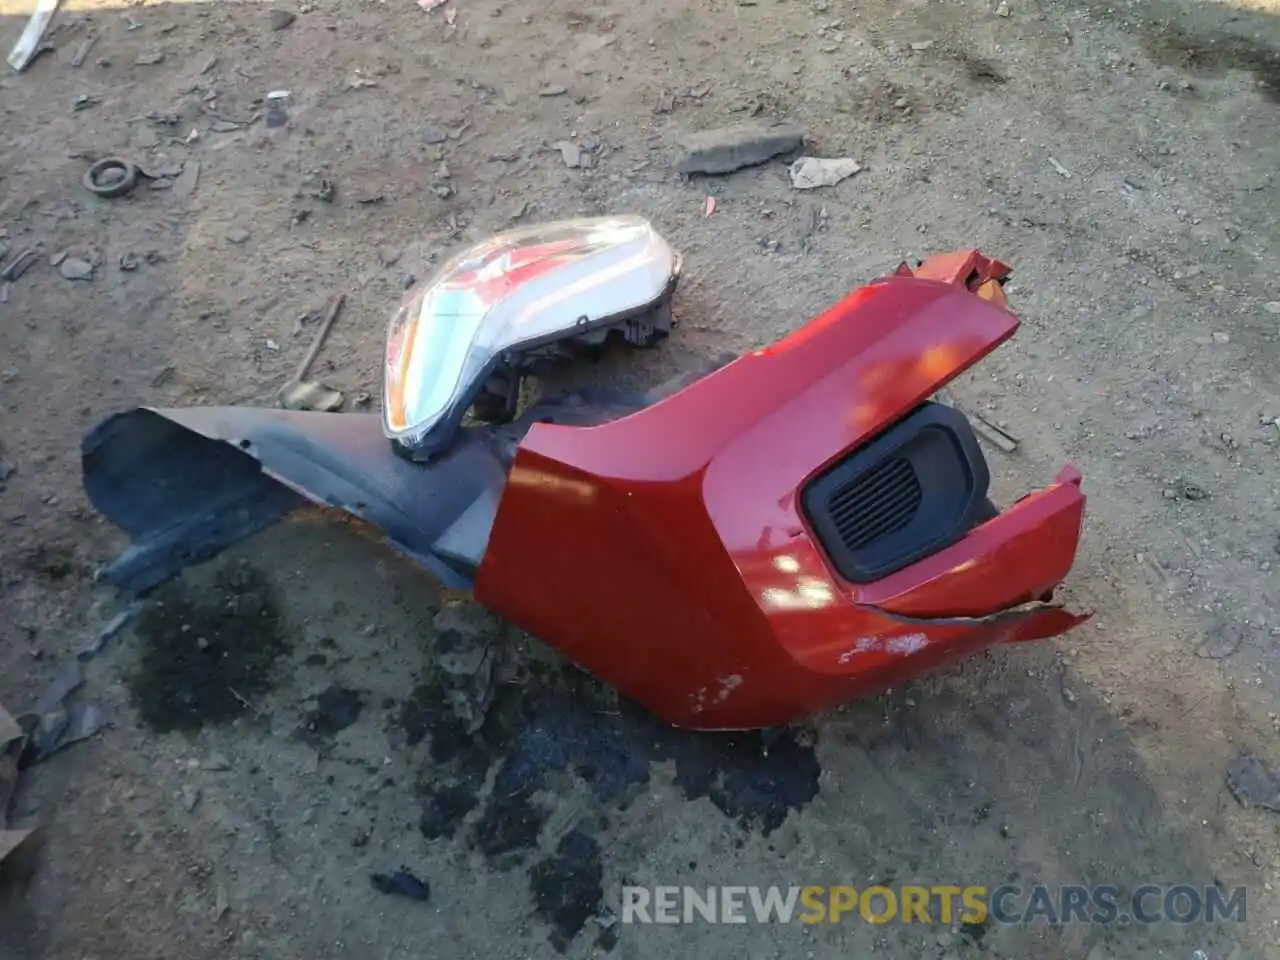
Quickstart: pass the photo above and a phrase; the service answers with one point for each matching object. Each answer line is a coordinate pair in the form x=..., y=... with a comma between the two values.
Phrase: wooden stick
x=331, y=314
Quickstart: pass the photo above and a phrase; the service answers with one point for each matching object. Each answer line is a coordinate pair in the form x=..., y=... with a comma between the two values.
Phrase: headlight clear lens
x=518, y=290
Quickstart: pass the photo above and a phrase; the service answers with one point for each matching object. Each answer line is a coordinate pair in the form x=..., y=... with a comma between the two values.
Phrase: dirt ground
x=1144, y=255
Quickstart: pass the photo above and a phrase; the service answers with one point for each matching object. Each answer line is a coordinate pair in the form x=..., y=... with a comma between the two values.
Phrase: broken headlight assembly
x=465, y=338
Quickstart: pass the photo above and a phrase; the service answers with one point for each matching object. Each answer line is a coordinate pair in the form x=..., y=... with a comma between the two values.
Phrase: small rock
x=281, y=19
x=57, y=258
x=220, y=905
x=432, y=135
x=727, y=149
x=921, y=45
x=1220, y=337
x=216, y=763
x=1272, y=307
x=389, y=256
x=310, y=395
x=1221, y=641
x=1252, y=784
x=128, y=261
x=149, y=59
x=277, y=116
x=572, y=154
x=401, y=883
x=75, y=269
x=1002, y=10
x=237, y=235
x=190, y=797
x=1193, y=492
x=902, y=103
x=407, y=280
x=666, y=102
x=1068, y=695
x=443, y=191
x=110, y=177
x=553, y=91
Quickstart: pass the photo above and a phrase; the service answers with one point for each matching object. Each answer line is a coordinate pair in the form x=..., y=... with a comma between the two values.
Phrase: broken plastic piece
x=28, y=44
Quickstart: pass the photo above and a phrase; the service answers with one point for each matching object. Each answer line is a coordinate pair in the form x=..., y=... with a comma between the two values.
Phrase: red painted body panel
x=675, y=564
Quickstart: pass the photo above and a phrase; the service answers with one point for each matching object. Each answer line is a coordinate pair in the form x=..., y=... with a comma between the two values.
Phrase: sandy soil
x=201, y=827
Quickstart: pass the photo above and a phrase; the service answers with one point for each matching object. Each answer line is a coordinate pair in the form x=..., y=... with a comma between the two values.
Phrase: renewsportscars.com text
x=938, y=904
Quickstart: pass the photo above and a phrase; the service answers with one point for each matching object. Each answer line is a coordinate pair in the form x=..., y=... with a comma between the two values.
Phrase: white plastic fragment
x=278, y=95
x=809, y=173
x=29, y=43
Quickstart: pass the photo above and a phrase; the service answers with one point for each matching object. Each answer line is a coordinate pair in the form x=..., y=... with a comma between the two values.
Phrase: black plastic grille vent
x=916, y=488
x=880, y=502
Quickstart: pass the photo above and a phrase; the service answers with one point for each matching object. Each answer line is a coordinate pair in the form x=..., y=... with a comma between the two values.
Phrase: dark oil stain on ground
x=336, y=708
x=562, y=721
x=567, y=887
x=207, y=652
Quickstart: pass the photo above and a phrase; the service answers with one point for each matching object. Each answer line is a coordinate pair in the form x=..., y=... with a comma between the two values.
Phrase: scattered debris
x=554, y=90
x=1252, y=784
x=997, y=437
x=111, y=177
x=237, y=235
x=1194, y=492
x=11, y=745
x=402, y=883
x=1063, y=171
x=107, y=633
x=727, y=149
x=53, y=723
x=430, y=5
x=73, y=268
x=302, y=394
x=1221, y=641
x=709, y=207
x=84, y=102
x=184, y=184
x=573, y=155
x=311, y=396
x=20, y=264
x=28, y=45
x=810, y=173
x=281, y=19
x=357, y=82
x=83, y=50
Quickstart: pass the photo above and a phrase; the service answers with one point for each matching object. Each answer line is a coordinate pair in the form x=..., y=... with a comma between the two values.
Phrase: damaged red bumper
x=686, y=558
